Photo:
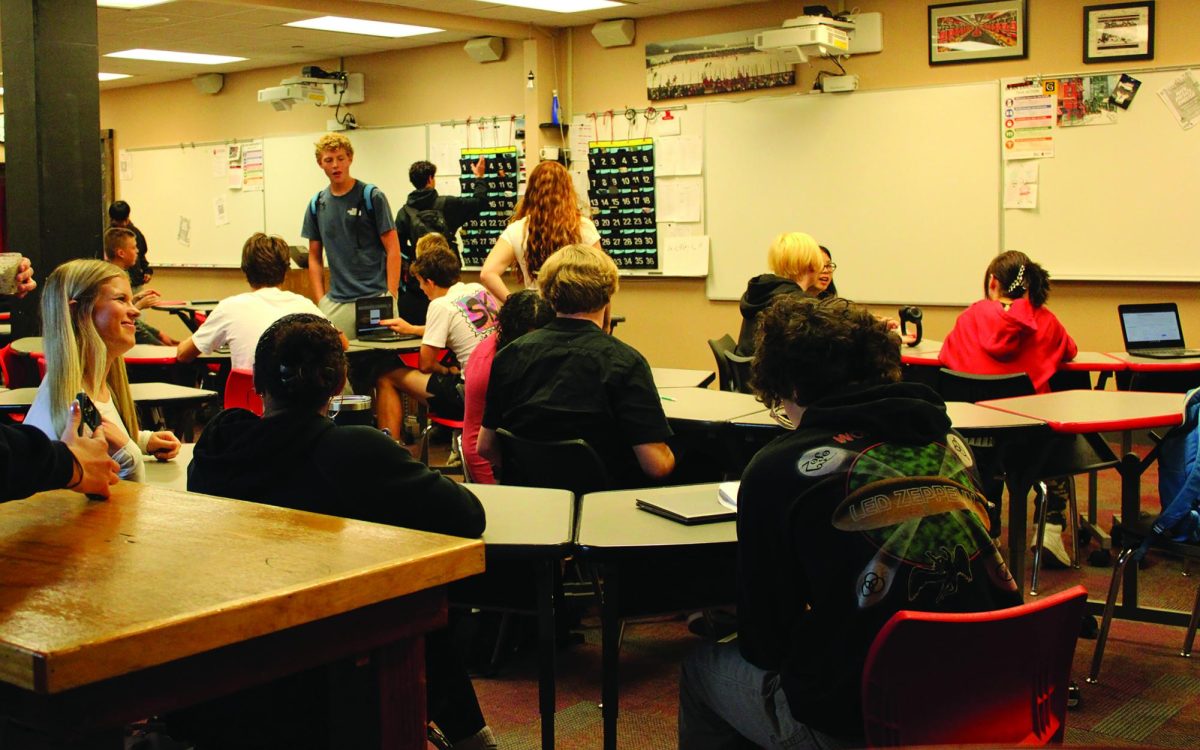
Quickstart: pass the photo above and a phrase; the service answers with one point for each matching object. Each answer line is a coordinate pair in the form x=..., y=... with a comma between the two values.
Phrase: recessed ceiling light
x=559, y=6
x=163, y=55
x=112, y=76
x=359, y=26
x=128, y=4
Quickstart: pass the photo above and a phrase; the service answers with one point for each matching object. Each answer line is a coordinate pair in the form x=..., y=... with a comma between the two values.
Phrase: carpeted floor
x=1147, y=696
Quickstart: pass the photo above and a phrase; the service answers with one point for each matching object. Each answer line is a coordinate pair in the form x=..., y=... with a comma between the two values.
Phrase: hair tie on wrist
x=1017, y=282
x=76, y=465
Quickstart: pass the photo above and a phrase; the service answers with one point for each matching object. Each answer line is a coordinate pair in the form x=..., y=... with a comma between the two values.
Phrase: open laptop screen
x=367, y=314
x=1151, y=326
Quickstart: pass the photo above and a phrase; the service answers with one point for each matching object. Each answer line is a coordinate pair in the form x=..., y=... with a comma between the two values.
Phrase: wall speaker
x=209, y=83
x=485, y=49
x=618, y=33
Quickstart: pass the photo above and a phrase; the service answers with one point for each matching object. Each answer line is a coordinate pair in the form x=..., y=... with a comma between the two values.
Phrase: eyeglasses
x=780, y=416
x=830, y=266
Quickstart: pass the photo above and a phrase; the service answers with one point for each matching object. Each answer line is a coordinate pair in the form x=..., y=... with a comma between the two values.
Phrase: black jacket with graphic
x=868, y=508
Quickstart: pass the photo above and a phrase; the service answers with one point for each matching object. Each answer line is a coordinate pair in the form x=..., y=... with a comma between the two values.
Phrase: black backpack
x=421, y=223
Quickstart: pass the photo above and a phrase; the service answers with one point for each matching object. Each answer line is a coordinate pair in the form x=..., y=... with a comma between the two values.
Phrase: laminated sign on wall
x=621, y=191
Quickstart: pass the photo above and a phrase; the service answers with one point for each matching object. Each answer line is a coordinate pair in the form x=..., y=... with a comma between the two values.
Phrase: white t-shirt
x=129, y=456
x=461, y=319
x=514, y=234
x=241, y=319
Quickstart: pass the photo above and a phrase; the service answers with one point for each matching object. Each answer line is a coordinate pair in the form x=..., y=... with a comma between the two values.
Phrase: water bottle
x=554, y=108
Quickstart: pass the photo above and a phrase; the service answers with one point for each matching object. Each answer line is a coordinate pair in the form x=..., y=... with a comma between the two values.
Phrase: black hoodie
x=457, y=210
x=760, y=292
x=869, y=507
x=305, y=461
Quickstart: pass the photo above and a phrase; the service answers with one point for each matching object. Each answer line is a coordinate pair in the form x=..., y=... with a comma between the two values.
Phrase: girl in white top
x=547, y=219
x=88, y=317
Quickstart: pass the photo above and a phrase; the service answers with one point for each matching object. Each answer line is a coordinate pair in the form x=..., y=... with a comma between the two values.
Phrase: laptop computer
x=368, y=311
x=1153, y=330
x=689, y=509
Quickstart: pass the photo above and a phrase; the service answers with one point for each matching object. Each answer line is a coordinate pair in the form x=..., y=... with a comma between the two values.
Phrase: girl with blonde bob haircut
x=796, y=263
x=88, y=317
x=547, y=218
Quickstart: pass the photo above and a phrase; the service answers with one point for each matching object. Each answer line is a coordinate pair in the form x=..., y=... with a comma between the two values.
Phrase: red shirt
x=989, y=340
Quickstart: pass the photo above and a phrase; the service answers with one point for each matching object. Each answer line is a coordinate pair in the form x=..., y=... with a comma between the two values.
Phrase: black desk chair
x=1059, y=458
x=556, y=464
x=739, y=370
x=719, y=347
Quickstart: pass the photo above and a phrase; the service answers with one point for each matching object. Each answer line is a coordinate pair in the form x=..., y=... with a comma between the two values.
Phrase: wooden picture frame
x=1118, y=31
x=978, y=31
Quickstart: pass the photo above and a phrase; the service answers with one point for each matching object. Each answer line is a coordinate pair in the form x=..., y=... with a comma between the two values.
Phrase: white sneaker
x=1052, y=544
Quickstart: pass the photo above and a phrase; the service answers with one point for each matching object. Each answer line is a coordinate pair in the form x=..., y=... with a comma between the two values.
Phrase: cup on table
x=8, y=272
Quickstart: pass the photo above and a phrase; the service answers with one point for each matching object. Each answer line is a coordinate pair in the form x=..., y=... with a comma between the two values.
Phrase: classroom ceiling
x=254, y=29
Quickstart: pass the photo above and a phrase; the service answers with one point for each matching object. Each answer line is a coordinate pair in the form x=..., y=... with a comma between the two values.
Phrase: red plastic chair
x=20, y=370
x=240, y=394
x=996, y=677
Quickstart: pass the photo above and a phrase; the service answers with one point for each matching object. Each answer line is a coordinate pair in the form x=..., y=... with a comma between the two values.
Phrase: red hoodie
x=989, y=340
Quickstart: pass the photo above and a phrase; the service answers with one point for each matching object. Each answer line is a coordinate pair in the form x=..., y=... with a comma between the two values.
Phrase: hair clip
x=1017, y=282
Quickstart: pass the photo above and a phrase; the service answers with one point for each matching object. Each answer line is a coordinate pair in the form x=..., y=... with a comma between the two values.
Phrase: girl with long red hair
x=547, y=219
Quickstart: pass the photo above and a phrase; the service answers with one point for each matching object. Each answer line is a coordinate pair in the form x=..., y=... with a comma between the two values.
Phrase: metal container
x=352, y=410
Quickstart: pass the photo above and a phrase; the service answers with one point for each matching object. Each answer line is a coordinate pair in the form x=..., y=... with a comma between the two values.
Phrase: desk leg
x=400, y=674
x=1130, y=470
x=546, y=648
x=1018, y=503
x=610, y=630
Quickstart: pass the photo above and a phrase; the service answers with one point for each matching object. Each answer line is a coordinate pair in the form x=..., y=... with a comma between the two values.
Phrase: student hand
x=146, y=278
x=479, y=168
x=399, y=325
x=146, y=298
x=112, y=436
x=25, y=282
x=892, y=323
x=163, y=445
x=96, y=470
x=167, y=340
x=908, y=339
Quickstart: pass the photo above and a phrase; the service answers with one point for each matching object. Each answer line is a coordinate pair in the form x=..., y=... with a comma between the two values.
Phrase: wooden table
x=1083, y=412
x=611, y=529
x=671, y=377
x=156, y=599
x=146, y=394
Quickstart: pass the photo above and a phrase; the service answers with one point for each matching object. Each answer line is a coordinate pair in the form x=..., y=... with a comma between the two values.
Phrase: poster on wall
x=479, y=234
x=714, y=64
x=621, y=191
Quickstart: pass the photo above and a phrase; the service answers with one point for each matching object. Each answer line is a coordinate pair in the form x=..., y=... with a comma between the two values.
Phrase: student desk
x=138, y=354
x=1149, y=374
x=1083, y=412
x=156, y=599
x=706, y=407
x=358, y=346
x=670, y=377
x=612, y=530
x=188, y=312
x=923, y=354
x=144, y=394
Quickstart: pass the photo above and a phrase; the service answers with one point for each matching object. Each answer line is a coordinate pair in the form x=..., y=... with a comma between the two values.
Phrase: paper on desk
x=1020, y=184
x=683, y=256
x=679, y=199
x=727, y=494
x=678, y=155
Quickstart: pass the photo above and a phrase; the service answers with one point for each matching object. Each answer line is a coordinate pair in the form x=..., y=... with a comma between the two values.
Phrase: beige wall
x=438, y=83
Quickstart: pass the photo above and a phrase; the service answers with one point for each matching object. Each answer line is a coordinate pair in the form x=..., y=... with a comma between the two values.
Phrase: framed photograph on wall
x=975, y=31
x=1119, y=31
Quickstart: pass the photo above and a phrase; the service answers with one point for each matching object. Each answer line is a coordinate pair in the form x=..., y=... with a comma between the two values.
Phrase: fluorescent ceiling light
x=112, y=76
x=128, y=4
x=162, y=55
x=558, y=6
x=359, y=26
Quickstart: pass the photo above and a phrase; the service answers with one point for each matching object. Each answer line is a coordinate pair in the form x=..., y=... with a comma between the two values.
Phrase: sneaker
x=1052, y=544
x=454, y=459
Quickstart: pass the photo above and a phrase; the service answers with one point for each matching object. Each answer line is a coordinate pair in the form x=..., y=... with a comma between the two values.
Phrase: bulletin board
x=902, y=185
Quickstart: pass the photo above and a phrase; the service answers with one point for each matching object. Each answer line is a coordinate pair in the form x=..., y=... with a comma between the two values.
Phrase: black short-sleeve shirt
x=571, y=380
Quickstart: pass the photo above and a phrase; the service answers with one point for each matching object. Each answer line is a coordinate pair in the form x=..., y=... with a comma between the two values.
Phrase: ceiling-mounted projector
x=806, y=36
x=321, y=91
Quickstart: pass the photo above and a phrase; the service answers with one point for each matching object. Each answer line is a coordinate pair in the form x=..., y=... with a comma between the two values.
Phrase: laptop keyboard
x=1167, y=353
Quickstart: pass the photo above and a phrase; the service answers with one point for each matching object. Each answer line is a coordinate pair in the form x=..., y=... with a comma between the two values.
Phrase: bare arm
x=492, y=273
x=187, y=350
x=391, y=243
x=656, y=459
x=488, y=445
x=316, y=268
x=428, y=362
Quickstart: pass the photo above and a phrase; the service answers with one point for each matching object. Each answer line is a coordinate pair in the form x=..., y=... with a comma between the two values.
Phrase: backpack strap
x=312, y=205
x=368, y=194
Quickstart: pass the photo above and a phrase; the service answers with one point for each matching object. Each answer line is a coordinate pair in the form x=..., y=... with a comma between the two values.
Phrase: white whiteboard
x=167, y=185
x=902, y=185
x=1117, y=202
x=382, y=157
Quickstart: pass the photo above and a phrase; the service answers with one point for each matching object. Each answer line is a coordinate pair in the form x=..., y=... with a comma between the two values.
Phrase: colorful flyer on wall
x=1027, y=120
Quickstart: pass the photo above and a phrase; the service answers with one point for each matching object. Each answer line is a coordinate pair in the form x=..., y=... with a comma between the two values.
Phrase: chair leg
x=1042, y=502
x=1073, y=502
x=1114, y=587
x=1190, y=639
